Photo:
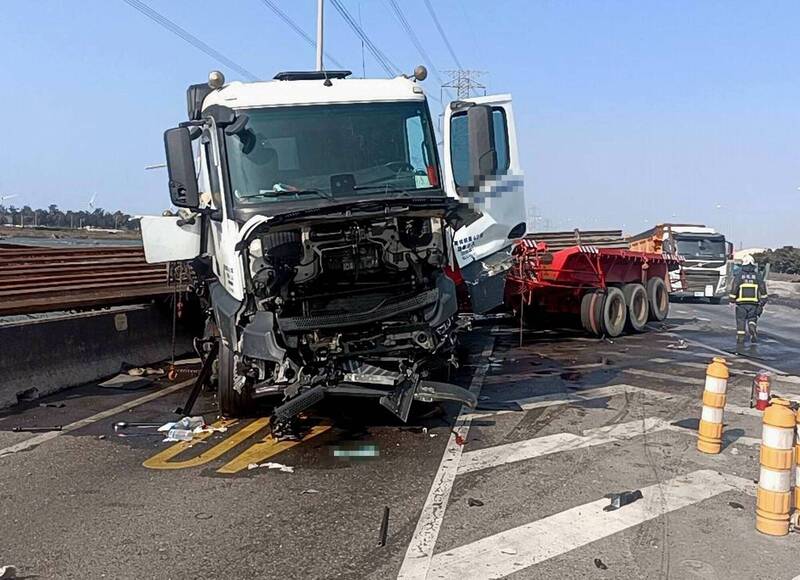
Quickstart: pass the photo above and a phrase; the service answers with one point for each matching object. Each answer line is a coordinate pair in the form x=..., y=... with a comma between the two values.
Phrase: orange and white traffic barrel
x=709, y=434
x=773, y=498
x=797, y=466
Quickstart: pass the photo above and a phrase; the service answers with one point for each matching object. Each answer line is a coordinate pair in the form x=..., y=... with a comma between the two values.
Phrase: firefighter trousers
x=746, y=314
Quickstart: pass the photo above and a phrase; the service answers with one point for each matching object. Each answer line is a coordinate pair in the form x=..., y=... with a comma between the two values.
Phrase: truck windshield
x=700, y=248
x=332, y=151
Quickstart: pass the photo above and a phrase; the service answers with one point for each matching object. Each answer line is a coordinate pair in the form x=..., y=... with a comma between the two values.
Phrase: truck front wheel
x=234, y=399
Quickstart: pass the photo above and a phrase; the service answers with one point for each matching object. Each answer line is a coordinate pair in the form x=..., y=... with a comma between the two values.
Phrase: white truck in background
x=707, y=258
x=326, y=234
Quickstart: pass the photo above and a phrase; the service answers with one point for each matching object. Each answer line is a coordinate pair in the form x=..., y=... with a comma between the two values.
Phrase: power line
x=414, y=40
x=294, y=26
x=441, y=32
x=390, y=68
x=190, y=38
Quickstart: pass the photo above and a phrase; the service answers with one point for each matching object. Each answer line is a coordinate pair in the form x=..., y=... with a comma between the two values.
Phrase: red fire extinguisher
x=760, y=390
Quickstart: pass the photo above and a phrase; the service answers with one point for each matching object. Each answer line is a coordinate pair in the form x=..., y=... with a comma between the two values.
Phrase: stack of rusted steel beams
x=37, y=279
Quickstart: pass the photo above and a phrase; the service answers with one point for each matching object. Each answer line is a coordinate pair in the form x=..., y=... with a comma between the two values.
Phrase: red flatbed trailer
x=612, y=289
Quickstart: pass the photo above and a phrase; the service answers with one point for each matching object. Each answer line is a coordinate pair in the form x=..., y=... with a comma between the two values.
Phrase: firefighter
x=749, y=294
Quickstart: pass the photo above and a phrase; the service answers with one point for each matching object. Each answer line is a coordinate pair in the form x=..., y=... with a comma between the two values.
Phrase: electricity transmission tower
x=465, y=82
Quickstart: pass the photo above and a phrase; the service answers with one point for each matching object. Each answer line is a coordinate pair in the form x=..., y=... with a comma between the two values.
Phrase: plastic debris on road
x=622, y=499
x=8, y=572
x=509, y=551
x=600, y=564
x=272, y=465
x=186, y=428
x=680, y=345
x=472, y=502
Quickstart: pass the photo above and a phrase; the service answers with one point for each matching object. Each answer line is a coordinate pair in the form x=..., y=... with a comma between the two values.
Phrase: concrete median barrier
x=41, y=356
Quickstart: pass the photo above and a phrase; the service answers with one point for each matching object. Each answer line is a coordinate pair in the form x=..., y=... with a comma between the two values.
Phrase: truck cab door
x=482, y=168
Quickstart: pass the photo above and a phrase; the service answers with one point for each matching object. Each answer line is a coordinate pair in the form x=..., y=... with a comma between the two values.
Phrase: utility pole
x=320, y=8
x=465, y=82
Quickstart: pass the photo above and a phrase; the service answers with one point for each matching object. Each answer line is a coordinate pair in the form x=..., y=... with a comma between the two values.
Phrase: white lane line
x=554, y=399
x=531, y=448
x=560, y=442
x=417, y=560
x=44, y=437
x=565, y=531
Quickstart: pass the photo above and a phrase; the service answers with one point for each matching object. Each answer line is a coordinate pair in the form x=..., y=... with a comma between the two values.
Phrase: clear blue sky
x=628, y=112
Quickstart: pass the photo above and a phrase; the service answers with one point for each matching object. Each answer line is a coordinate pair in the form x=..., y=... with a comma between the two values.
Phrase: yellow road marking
x=267, y=448
x=162, y=459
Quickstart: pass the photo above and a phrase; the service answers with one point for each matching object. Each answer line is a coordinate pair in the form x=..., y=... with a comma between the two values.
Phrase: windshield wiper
x=382, y=189
x=282, y=192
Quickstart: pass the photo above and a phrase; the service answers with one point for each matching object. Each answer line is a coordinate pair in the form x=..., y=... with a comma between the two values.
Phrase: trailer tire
x=232, y=403
x=658, y=297
x=638, y=306
x=615, y=312
x=592, y=312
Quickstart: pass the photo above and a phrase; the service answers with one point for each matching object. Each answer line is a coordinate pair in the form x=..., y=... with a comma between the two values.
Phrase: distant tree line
x=785, y=260
x=56, y=218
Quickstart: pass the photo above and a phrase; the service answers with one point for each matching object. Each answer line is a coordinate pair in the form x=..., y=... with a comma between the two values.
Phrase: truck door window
x=459, y=145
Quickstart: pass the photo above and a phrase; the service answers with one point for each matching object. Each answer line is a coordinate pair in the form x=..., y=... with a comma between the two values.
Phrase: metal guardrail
x=35, y=279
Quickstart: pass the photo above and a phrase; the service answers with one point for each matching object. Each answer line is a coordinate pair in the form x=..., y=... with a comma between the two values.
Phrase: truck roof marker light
x=216, y=79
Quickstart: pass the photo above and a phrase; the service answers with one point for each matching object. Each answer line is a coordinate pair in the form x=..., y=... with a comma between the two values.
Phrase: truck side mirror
x=482, y=152
x=729, y=250
x=180, y=166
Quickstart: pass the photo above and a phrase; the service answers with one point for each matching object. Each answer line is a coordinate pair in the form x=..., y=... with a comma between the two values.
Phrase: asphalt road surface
x=514, y=488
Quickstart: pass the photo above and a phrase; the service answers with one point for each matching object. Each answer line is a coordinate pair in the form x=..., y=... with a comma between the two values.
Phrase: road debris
x=7, y=572
x=123, y=425
x=272, y=465
x=384, y=531
x=126, y=382
x=600, y=564
x=621, y=499
x=309, y=491
x=459, y=438
x=137, y=372
x=734, y=451
x=58, y=405
x=203, y=516
x=680, y=345
x=509, y=551
x=736, y=505
x=36, y=429
x=472, y=502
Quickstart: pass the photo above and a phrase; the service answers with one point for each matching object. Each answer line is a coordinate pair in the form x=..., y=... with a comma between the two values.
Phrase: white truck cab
x=326, y=231
x=706, y=269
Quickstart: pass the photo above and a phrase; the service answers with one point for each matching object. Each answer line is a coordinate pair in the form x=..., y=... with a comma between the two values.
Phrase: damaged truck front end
x=324, y=233
x=347, y=301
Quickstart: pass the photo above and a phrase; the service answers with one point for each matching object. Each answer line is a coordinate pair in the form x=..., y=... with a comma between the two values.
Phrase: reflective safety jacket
x=748, y=287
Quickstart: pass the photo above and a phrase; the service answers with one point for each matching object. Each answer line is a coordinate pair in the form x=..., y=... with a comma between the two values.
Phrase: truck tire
x=638, y=306
x=592, y=312
x=615, y=312
x=658, y=297
x=232, y=403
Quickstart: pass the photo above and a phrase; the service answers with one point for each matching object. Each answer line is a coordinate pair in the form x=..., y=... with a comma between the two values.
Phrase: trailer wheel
x=592, y=312
x=615, y=312
x=232, y=403
x=658, y=297
x=638, y=306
